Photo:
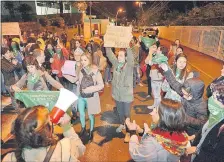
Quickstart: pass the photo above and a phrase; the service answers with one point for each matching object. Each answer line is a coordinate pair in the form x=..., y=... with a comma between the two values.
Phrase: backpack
x=87, y=81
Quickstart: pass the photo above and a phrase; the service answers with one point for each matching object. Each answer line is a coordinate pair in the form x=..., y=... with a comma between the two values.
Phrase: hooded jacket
x=197, y=108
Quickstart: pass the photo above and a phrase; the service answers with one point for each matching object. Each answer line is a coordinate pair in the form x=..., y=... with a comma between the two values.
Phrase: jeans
x=136, y=79
x=149, y=79
x=107, y=74
x=82, y=105
x=123, y=109
x=156, y=90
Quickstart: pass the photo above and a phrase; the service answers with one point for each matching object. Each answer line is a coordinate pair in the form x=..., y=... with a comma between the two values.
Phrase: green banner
x=35, y=98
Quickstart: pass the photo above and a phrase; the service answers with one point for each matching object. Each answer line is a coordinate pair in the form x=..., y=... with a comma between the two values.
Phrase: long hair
x=184, y=72
x=171, y=116
x=32, y=129
x=89, y=57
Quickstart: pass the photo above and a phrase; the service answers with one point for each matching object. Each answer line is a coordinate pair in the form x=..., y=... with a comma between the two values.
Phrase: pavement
x=108, y=145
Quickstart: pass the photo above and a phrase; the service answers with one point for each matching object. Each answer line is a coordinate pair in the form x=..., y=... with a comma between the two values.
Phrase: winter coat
x=212, y=147
x=122, y=83
x=93, y=103
x=197, y=108
x=8, y=70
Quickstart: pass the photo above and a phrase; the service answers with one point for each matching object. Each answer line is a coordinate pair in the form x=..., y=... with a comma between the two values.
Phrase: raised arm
x=130, y=57
x=110, y=55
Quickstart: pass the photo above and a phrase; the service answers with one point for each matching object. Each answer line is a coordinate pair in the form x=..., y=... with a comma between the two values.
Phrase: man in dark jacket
x=195, y=106
x=9, y=66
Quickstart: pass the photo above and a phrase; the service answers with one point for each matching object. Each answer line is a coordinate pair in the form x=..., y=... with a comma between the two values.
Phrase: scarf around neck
x=216, y=112
x=175, y=143
x=33, y=79
x=120, y=66
x=51, y=52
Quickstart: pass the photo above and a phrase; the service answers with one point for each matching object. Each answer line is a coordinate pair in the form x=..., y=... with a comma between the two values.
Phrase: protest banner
x=11, y=28
x=118, y=36
x=35, y=98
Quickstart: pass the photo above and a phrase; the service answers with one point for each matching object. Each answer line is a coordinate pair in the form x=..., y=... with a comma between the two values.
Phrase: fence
x=206, y=39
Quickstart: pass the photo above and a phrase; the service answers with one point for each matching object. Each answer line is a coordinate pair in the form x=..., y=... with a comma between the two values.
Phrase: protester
x=35, y=78
x=181, y=72
x=192, y=99
x=122, y=84
x=89, y=84
x=208, y=145
x=155, y=74
x=34, y=135
x=167, y=141
x=9, y=66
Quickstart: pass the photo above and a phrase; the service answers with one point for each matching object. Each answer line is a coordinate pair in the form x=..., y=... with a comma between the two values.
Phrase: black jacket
x=212, y=149
x=8, y=69
x=196, y=108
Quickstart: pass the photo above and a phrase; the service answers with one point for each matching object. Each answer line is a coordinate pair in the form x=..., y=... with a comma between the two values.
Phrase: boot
x=82, y=132
x=90, y=136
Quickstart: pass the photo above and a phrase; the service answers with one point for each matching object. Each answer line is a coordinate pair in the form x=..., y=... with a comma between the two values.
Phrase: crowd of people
x=181, y=124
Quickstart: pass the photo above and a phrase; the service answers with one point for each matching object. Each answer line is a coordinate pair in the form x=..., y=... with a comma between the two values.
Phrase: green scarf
x=32, y=79
x=178, y=73
x=51, y=52
x=216, y=111
x=159, y=58
x=119, y=66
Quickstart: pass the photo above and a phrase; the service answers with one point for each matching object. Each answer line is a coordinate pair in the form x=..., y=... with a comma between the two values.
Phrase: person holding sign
x=122, y=84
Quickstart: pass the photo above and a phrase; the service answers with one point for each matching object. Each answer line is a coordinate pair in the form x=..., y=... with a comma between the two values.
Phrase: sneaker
x=120, y=128
x=148, y=96
x=127, y=138
x=151, y=107
x=107, y=84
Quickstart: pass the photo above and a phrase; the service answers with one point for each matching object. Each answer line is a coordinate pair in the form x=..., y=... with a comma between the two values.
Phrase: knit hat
x=17, y=40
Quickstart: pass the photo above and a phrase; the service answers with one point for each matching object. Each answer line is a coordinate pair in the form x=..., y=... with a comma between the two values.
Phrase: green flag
x=35, y=98
x=148, y=41
x=159, y=58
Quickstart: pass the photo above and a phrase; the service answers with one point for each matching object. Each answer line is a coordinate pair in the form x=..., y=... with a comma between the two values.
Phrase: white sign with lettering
x=118, y=36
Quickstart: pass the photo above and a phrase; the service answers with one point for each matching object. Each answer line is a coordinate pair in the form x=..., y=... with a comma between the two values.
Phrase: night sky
x=131, y=8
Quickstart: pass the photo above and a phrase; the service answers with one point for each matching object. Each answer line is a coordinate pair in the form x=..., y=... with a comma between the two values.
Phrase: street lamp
x=120, y=10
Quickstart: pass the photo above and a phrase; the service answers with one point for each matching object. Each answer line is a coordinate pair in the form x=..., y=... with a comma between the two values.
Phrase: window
x=67, y=7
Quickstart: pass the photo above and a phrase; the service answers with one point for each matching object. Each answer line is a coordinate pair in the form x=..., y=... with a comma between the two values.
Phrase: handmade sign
x=11, y=28
x=118, y=36
x=69, y=68
x=35, y=98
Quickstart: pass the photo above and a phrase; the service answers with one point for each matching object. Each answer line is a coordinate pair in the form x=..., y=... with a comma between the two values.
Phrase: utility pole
x=90, y=18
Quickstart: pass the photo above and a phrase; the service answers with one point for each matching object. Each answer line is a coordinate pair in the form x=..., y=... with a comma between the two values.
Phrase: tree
x=9, y=5
x=25, y=9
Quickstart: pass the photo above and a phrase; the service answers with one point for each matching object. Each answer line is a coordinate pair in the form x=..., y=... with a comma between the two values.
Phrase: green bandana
x=51, y=52
x=32, y=79
x=159, y=58
x=216, y=112
x=178, y=73
x=120, y=65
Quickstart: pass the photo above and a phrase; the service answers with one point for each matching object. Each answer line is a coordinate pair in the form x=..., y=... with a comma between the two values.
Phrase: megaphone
x=65, y=100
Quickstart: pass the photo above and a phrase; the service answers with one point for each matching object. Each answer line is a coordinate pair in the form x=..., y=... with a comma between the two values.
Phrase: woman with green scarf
x=34, y=79
x=181, y=73
x=210, y=147
x=122, y=84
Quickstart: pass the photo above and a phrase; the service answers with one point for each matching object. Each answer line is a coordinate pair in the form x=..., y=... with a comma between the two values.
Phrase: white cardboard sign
x=118, y=36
